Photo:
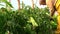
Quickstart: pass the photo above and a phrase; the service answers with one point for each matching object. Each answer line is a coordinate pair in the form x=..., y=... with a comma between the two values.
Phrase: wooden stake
x=22, y=5
x=32, y=4
x=18, y=4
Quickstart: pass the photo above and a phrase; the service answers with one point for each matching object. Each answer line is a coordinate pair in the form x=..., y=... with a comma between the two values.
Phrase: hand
x=51, y=19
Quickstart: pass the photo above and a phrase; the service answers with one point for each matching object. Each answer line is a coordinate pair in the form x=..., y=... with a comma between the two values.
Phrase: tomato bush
x=27, y=21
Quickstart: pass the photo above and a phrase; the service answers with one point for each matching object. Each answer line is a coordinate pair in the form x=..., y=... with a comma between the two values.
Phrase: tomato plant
x=27, y=21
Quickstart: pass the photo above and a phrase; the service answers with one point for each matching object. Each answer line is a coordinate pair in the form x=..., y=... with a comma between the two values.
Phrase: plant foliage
x=27, y=21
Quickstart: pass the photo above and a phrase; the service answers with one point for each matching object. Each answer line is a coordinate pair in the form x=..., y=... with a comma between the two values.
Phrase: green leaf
x=9, y=4
x=33, y=21
x=3, y=0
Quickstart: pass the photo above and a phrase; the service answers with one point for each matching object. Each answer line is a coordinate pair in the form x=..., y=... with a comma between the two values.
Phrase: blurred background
x=25, y=17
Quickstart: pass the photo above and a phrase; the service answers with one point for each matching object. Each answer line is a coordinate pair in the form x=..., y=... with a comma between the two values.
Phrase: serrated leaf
x=33, y=21
x=8, y=3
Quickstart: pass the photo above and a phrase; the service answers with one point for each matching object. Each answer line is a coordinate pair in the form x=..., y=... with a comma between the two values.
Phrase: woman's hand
x=51, y=19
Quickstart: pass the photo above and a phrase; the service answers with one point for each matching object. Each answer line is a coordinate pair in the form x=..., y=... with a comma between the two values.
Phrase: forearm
x=51, y=14
x=52, y=11
x=50, y=5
